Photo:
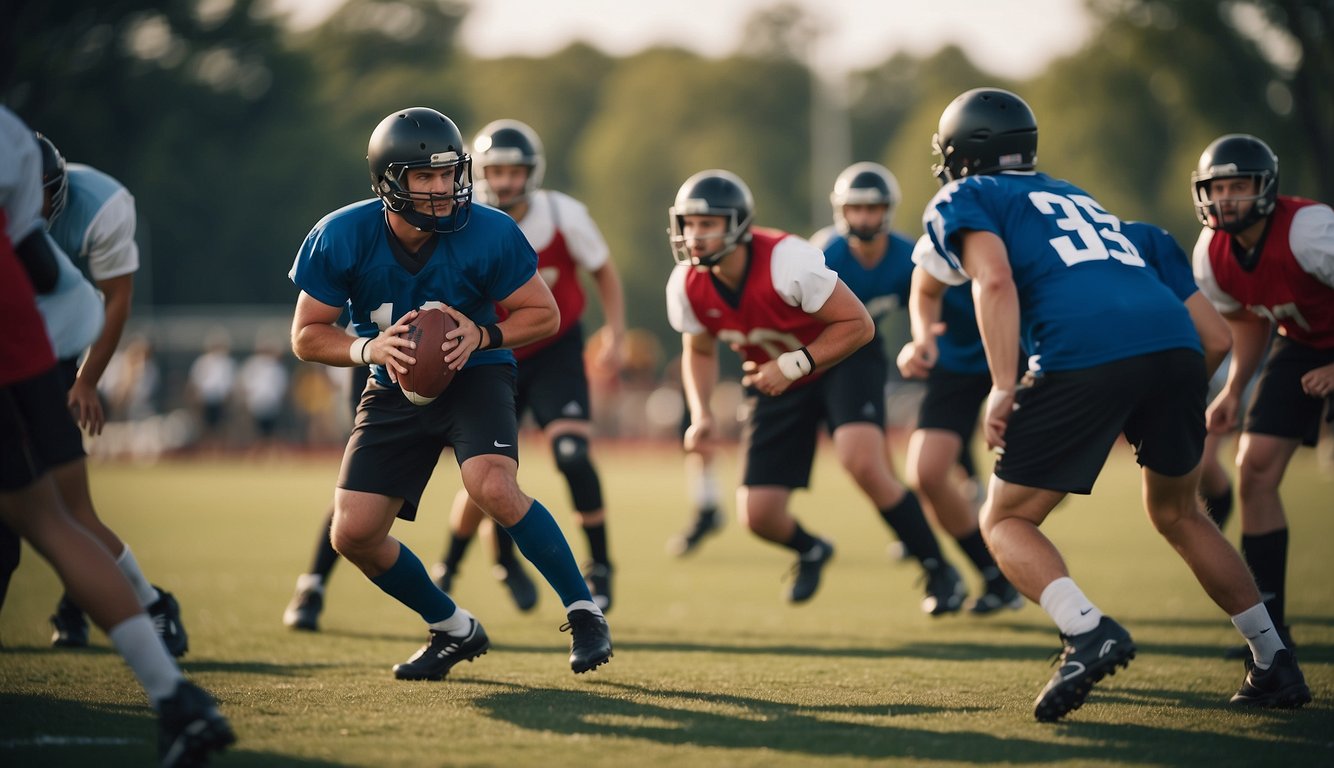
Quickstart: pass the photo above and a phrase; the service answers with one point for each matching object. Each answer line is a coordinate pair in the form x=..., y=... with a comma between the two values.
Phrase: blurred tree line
x=236, y=134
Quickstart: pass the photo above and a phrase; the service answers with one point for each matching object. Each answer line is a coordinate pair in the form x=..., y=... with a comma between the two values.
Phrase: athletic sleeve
x=110, y=244
x=957, y=208
x=1204, y=275
x=1312, y=241
x=1164, y=257
x=516, y=261
x=800, y=275
x=322, y=266
x=925, y=255
x=679, y=312
x=20, y=178
x=587, y=246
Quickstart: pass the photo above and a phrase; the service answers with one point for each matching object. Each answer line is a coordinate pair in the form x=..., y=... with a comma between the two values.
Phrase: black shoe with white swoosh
x=1085, y=659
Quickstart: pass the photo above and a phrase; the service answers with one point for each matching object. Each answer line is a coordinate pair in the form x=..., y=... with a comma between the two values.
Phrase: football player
x=1111, y=350
x=769, y=296
x=36, y=431
x=1266, y=260
x=875, y=263
x=91, y=216
x=511, y=163
x=421, y=242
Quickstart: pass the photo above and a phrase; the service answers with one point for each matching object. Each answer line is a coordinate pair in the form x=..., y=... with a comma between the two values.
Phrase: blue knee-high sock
x=541, y=541
x=407, y=582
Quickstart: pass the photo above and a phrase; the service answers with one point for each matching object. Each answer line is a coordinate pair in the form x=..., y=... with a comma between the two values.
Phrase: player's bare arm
x=317, y=339
x=83, y=399
x=1212, y=328
x=847, y=326
x=699, y=374
x=997, y=300
x=919, y=355
x=533, y=315
x=1250, y=336
x=608, y=282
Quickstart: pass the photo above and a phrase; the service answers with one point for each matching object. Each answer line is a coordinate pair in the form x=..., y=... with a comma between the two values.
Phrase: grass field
x=712, y=668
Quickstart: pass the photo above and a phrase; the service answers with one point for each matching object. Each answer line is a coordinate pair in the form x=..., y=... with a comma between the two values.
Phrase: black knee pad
x=572, y=459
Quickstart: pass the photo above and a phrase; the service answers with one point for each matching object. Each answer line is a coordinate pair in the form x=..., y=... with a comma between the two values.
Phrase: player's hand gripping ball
x=428, y=377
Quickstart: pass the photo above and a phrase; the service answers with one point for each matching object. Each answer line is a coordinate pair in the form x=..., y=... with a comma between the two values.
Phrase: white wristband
x=794, y=365
x=358, y=350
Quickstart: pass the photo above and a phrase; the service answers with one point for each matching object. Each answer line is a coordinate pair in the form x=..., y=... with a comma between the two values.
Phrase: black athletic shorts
x=854, y=390
x=1066, y=422
x=953, y=402
x=553, y=382
x=779, y=435
x=395, y=445
x=37, y=433
x=1280, y=407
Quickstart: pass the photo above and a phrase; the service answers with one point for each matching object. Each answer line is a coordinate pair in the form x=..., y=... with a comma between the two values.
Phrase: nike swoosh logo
x=1266, y=629
x=499, y=444
x=1085, y=612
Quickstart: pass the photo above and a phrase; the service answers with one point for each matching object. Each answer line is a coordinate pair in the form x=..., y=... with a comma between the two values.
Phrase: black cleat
x=70, y=625
x=434, y=660
x=1243, y=651
x=166, y=615
x=517, y=582
x=443, y=577
x=303, y=612
x=1281, y=686
x=590, y=640
x=1085, y=659
x=190, y=728
x=598, y=578
x=808, y=569
x=999, y=596
x=707, y=521
x=945, y=590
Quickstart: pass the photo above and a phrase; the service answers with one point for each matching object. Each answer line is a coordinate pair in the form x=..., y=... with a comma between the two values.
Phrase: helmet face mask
x=55, y=180
x=984, y=131
x=1235, y=156
x=710, y=193
x=864, y=184
x=508, y=143
x=417, y=138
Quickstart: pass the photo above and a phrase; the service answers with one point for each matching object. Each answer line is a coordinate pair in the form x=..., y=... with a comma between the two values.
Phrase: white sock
x=1066, y=605
x=583, y=605
x=137, y=642
x=704, y=488
x=310, y=582
x=1257, y=627
x=146, y=592
x=457, y=624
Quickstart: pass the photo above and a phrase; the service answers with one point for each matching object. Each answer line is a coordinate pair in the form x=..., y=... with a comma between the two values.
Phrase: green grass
x=712, y=668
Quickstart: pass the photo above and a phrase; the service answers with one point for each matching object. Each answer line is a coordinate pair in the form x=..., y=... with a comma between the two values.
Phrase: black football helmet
x=985, y=130
x=414, y=138
x=54, y=179
x=864, y=184
x=508, y=142
x=1233, y=156
x=711, y=193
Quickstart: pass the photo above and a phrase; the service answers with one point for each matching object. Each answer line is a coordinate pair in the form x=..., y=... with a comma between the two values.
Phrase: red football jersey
x=1278, y=288
x=23, y=346
x=761, y=325
x=557, y=268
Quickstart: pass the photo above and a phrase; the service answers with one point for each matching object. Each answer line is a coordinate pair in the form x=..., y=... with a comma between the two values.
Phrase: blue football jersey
x=1086, y=294
x=882, y=288
x=1164, y=256
x=347, y=260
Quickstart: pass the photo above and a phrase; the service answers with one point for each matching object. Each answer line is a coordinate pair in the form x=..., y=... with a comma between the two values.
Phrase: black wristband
x=494, y=338
x=809, y=359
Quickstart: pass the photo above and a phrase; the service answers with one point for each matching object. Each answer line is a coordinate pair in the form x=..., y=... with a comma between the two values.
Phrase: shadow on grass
x=945, y=651
x=723, y=721
x=50, y=732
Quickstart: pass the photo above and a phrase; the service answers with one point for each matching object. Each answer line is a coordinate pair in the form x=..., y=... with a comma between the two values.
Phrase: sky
x=1010, y=38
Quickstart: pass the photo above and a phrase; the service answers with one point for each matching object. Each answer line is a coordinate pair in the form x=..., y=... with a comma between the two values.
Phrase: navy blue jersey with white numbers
x=347, y=259
x=1086, y=295
x=1164, y=256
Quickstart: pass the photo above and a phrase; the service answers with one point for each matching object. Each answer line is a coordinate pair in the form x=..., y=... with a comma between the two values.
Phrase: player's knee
x=574, y=460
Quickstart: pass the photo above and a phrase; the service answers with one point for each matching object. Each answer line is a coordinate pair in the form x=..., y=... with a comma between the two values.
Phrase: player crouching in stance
x=423, y=242
x=1112, y=351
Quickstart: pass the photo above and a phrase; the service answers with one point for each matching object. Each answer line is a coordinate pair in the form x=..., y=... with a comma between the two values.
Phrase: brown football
x=428, y=377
